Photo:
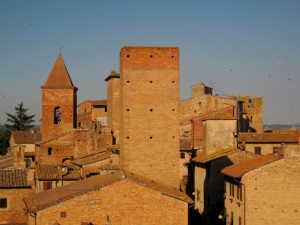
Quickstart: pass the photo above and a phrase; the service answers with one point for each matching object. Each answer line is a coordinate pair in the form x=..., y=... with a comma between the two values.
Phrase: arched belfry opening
x=57, y=115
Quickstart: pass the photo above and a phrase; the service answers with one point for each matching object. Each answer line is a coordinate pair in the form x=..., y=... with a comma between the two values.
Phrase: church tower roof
x=59, y=76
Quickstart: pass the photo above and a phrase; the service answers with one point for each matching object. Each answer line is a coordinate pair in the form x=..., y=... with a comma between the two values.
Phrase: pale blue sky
x=241, y=47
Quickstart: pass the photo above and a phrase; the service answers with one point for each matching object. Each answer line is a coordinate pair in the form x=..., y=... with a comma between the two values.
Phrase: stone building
x=149, y=112
x=14, y=187
x=264, y=190
x=114, y=198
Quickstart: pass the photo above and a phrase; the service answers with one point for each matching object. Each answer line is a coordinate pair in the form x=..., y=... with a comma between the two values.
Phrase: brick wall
x=113, y=104
x=123, y=202
x=271, y=194
x=66, y=100
x=150, y=113
x=16, y=209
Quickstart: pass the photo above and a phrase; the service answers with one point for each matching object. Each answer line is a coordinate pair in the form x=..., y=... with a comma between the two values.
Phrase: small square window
x=182, y=155
x=3, y=203
x=63, y=214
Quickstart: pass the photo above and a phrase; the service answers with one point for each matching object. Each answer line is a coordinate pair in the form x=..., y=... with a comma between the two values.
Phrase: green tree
x=4, y=141
x=19, y=121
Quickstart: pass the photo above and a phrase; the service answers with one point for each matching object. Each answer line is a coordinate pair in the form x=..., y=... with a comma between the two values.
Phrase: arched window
x=57, y=115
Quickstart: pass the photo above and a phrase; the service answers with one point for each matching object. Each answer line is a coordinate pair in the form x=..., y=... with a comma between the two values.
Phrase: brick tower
x=113, y=104
x=149, y=112
x=58, y=102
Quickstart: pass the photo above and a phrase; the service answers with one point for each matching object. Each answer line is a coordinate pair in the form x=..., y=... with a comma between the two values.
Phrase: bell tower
x=59, y=100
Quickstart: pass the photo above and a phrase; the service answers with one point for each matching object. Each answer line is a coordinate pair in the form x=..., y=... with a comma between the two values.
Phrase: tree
x=19, y=121
x=4, y=141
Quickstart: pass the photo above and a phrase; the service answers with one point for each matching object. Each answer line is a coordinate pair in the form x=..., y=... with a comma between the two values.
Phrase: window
x=240, y=192
x=257, y=150
x=198, y=194
x=49, y=151
x=240, y=220
x=182, y=155
x=231, y=190
x=47, y=185
x=57, y=115
x=63, y=214
x=276, y=150
x=3, y=203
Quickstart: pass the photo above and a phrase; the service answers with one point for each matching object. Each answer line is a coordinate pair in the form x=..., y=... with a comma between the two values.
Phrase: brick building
x=113, y=104
x=264, y=190
x=149, y=112
x=59, y=102
x=14, y=187
x=267, y=142
x=91, y=111
x=117, y=198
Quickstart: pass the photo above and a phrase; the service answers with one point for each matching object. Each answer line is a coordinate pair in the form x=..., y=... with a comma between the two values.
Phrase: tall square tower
x=149, y=112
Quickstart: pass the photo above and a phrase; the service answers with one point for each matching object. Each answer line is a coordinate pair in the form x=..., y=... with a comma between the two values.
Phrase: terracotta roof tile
x=48, y=198
x=10, y=178
x=240, y=169
x=269, y=137
x=204, y=158
x=6, y=161
x=55, y=172
x=26, y=137
x=164, y=189
x=95, y=102
x=59, y=76
x=96, y=157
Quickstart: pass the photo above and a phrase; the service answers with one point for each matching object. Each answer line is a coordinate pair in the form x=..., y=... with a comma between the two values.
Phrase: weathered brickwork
x=150, y=113
x=123, y=203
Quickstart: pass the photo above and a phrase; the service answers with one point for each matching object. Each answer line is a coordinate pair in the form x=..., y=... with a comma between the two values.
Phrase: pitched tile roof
x=96, y=157
x=238, y=170
x=6, y=161
x=59, y=76
x=10, y=178
x=26, y=137
x=55, y=172
x=51, y=197
x=95, y=102
x=269, y=137
x=113, y=74
x=204, y=158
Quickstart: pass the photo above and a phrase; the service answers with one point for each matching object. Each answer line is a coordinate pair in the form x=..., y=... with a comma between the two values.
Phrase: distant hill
x=281, y=126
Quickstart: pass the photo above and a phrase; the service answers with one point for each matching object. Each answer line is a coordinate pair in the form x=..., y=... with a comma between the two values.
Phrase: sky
x=249, y=47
